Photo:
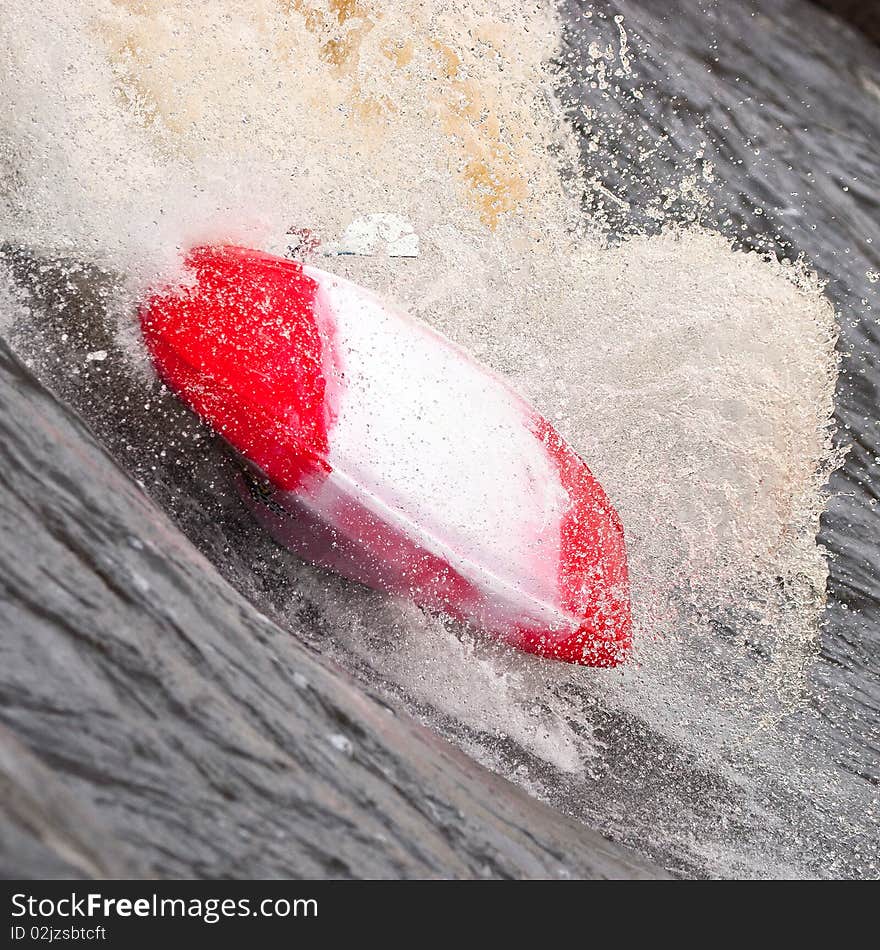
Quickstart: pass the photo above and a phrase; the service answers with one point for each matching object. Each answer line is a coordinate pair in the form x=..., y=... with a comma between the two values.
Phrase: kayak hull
x=378, y=449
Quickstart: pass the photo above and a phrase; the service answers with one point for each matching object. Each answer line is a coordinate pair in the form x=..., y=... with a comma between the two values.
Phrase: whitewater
x=696, y=379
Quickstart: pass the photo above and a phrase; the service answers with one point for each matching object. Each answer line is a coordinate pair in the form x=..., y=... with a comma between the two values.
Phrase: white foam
x=695, y=381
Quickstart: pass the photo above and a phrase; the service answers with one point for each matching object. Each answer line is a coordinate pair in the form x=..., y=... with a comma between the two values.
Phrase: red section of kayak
x=593, y=578
x=241, y=346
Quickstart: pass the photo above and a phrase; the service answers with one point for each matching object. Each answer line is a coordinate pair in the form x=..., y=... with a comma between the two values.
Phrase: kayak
x=375, y=447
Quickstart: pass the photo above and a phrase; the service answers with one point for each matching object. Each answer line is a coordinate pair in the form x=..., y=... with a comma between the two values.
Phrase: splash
x=696, y=380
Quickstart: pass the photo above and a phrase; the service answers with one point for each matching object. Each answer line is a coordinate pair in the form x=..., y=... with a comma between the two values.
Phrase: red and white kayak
x=383, y=452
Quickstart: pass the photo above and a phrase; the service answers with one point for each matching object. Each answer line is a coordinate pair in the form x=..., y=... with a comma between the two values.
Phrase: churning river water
x=662, y=228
